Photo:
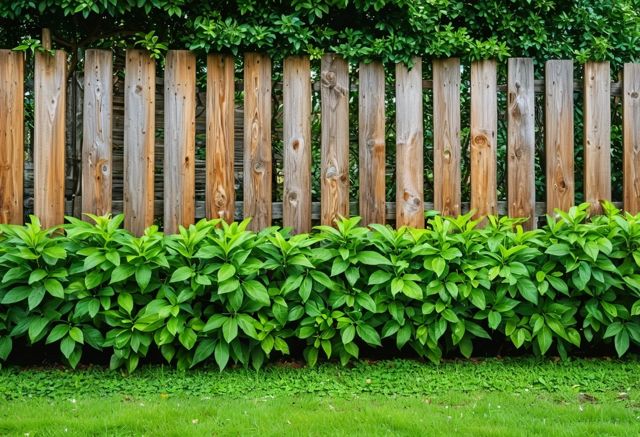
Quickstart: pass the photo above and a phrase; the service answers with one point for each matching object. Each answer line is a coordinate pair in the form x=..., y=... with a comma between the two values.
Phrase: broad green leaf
x=57, y=333
x=368, y=334
x=16, y=295
x=348, y=334
x=230, y=329
x=371, y=258
x=621, y=342
x=122, y=272
x=256, y=291
x=143, y=276
x=226, y=271
x=181, y=274
x=203, y=351
x=77, y=335
x=54, y=287
x=545, y=339
x=125, y=300
x=379, y=277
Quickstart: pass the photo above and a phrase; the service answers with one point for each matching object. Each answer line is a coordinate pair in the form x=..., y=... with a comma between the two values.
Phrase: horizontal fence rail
x=161, y=174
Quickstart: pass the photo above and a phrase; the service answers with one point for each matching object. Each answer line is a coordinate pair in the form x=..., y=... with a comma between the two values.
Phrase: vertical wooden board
x=631, y=137
x=521, y=190
x=446, y=136
x=179, y=139
x=558, y=134
x=96, y=132
x=372, y=143
x=11, y=136
x=297, y=144
x=334, y=182
x=597, y=134
x=220, y=189
x=484, y=124
x=257, y=140
x=409, y=146
x=48, y=145
x=139, y=140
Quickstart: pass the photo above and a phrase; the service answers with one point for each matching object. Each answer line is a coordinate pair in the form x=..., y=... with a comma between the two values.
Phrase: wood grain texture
x=179, y=139
x=334, y=180
x=11, y=136
x=409, y=146
x=371, y=143
x=139, y=140
x=220, y=188
x=521, y=190
x=631, y=137
x=49, y=134
x=96, y=132
x=257, y=140
x=446, y=136
x=484, y=124
x=597, y=134
x=558, y=135
x=297, y=144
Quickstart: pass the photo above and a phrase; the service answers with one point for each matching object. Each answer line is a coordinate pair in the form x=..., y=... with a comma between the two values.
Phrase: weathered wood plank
x=372, y=143
x=484, y=124
x=96, y=132
x=48, y=144
x=558, y=134
x=409, y=146
x=334, y=180
x=220, y=188
x=179, y=139
x=139, y=140
x=521, y=190
x=297, y=144
x=446, y=136
x=257, y=140
x=11, y=136
x=597, y=134
x=631, y=137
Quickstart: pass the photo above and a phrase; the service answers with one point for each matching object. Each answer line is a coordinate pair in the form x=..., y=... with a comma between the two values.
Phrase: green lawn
x=493, y=397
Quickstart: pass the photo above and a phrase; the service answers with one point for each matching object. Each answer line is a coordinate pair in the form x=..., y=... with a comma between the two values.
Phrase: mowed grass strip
x=490, y=397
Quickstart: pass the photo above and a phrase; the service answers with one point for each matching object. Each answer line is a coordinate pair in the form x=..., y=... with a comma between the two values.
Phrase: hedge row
x=218, y=292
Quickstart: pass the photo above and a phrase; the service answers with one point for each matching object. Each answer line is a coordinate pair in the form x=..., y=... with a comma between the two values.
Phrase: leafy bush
x=217, y=291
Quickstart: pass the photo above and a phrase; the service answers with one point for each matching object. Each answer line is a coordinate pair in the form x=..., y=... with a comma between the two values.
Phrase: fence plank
x=257, y=140
x=521, y=141
x=139, y=140
x=96, y=132
x=558, y=133
x=483, y=137
x=48, y=143
x=371, y=143
x=409, y=146
x=11, y=136
x=334, y=180
x=446, y=136
x=631, y=137
x=297, y=144
x=179, y=139
x=220, y=188
x=597, y=134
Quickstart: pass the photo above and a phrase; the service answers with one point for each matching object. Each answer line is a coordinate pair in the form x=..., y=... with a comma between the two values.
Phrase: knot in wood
x=329, y=79
x=138, y=89
x=295, y=144
x=293, y=198
x=332, y=172
x=220, y=198
x=258, y=167
x=634, y=95
x=480, y=141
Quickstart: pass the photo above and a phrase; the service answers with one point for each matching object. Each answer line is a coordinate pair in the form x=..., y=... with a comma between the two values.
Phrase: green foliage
x=391, y=30
x=218, y=292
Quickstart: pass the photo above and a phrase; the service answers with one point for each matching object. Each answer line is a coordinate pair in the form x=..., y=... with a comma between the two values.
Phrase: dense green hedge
x=219, y=292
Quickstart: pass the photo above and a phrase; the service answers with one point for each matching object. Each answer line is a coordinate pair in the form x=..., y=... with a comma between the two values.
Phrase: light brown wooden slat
x=139, y=140
x=257, y=140
x=446, y=136
x=220, y=188
x=372, y=143
x=521, y=190
x=11, y=136
x=558, y=133
x=631, y=137
x=409, y=146
x=179, y=139
x=484, y=124
x=96, y=132
x=297, y=144
x=597, y=134
x=49, y=134
x=334, y=179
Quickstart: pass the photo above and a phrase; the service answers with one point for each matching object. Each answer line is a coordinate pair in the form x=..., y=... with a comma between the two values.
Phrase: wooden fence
x=297, y=209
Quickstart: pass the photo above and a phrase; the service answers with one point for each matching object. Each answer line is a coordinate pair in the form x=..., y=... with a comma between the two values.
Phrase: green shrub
x=219, y=292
